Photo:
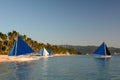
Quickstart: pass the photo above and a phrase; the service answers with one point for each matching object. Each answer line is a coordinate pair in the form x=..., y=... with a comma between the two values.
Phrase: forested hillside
x=6, y=41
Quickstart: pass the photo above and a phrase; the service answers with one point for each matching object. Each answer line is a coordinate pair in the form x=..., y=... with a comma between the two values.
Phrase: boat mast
x=16, y=45
x=105, y=48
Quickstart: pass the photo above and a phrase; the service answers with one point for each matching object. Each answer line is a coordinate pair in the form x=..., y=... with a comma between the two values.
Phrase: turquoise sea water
x=63, y=68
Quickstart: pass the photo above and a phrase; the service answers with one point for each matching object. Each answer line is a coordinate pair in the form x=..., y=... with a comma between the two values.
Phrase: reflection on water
x=21, y=70
x=63, y=68
x=45, y=69
x=102, y=65
x=4, y=69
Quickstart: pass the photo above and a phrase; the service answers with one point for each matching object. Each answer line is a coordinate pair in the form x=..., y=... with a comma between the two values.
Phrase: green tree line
x=6, y=41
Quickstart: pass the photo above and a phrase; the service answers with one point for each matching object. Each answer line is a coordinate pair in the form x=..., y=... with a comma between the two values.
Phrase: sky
x=69, y=22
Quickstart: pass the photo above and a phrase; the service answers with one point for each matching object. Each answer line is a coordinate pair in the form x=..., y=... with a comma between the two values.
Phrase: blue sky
x=74, y=22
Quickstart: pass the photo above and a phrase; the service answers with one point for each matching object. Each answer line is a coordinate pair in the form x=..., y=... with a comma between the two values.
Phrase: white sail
x=45, y=53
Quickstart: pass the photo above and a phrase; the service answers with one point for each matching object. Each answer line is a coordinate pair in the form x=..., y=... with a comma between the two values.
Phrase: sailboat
x=19, y=50
x=43, y=52
x=102, y=51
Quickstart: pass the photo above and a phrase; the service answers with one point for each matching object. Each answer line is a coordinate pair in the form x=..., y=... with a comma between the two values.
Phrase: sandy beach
x=4, y=58
x=60, y=55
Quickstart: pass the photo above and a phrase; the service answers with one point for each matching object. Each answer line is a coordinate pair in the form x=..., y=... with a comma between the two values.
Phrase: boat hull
x=102, y=56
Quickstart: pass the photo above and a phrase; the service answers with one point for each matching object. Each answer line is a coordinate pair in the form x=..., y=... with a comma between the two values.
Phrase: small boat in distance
x=102, y=51
x=44, y=53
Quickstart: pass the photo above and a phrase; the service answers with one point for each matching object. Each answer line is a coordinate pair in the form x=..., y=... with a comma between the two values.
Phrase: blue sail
x=20, y=48
x=41, y=51
x=49, y=51
x=101, y=49
x=12, y=51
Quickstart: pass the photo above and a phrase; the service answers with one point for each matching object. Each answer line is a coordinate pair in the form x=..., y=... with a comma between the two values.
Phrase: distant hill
x=90, y=49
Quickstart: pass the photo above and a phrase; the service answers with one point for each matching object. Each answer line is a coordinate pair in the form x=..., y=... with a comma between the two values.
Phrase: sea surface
x=83, y=67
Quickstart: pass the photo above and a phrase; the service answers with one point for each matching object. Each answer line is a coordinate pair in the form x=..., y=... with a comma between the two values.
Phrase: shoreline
x=6, y=58
x=63, y=55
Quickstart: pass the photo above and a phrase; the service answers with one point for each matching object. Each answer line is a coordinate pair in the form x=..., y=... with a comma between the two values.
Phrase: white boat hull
x=107, y=56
